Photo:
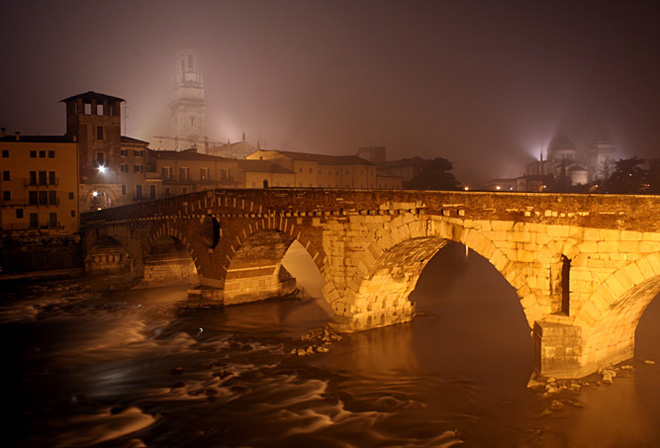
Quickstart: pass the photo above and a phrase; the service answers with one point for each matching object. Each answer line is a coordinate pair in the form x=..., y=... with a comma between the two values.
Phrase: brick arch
x=107, y=254
x=393, y=261
x=165, y=263
x=610, y=317
x=254, y=268
x=166, y=230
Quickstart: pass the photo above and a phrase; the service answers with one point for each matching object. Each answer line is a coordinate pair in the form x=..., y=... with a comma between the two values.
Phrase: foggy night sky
x=484, y=84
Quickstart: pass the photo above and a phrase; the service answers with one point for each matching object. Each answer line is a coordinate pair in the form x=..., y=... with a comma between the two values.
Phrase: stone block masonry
x=584, y=266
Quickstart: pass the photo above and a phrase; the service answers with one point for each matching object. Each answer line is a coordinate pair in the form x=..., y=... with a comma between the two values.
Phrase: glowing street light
x=498, y=188
x=95, y=193
x=466, y=188
x=102, y=169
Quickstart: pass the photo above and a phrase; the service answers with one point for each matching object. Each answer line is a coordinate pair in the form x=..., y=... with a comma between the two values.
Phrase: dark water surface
x=88, y=366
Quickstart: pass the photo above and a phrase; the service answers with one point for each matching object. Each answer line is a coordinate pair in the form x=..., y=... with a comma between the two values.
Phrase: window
x=52, y=220
x=51, y=154
x=88, y=109
x=6, y=175
x=152, y=191
x=52, y=180
x=137, y=153
x=138, y=168
x=6, y=195
x=70, y=195
x=42, y=178
x=42, y=154
x=203, y=174
x=124, y=152
x=124, y=167
x=5, y=153
x=167, y=191
x=33, y=198
x=19, y=213
x=73, y=213
x=100, y=159
x=99, y=109
x=123, y=190
x=99, y=132
x=52, y=197
x=300, y=169
x=43, y=198
x=138, y=192
x=166, y=172
x=34, y=220
x=33, y=154
x=225, y=174
x=184, y=173
x=33, y=178
x=311, y=171
x=184, y=190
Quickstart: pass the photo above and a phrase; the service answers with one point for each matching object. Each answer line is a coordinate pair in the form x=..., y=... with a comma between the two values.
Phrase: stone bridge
x=584, y=266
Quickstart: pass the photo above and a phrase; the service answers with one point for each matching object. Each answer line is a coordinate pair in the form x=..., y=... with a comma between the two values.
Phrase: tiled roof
x=325, y=159
x=187, y=154
x=262, y=166
x=88, y=96
x=125, y=139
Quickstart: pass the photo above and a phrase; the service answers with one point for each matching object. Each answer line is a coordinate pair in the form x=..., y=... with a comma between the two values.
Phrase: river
x=93, y=363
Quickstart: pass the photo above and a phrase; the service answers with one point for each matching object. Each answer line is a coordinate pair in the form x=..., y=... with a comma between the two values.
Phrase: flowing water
x=90, y=365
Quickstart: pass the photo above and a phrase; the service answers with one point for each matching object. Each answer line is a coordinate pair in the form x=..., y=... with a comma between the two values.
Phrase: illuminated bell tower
x=188, y=107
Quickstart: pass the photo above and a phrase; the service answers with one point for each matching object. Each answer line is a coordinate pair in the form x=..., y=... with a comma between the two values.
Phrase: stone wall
x=584, y=267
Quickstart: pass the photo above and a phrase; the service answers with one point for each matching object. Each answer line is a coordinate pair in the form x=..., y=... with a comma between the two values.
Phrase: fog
x=483, y=84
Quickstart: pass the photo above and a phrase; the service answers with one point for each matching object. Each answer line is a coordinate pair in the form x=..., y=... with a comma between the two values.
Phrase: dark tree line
x=632, y=176
x=435, y=175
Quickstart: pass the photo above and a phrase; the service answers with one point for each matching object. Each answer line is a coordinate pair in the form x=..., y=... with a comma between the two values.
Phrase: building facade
x=94, y=121
x=325, y=171
x=39, y=185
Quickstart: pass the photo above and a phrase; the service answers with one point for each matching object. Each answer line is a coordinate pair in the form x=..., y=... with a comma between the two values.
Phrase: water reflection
x=90, y=366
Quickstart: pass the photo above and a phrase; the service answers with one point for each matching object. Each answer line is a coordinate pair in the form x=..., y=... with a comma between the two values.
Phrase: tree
x=434, y=176
x=652, y=181
x=628, y=177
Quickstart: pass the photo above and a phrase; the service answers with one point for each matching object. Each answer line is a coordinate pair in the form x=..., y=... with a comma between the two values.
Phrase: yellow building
x=187, y=171
x=326, y=171
x=39, y=185
x=264, y=174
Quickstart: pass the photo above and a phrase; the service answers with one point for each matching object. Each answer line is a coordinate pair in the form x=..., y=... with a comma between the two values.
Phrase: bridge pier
x=584, y=267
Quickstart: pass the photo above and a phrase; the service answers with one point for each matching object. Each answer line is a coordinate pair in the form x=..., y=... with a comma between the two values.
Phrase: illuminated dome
x=561, y=143
x=561, y=148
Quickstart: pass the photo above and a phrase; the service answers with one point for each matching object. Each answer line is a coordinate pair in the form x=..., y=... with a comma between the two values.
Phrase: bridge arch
x=255, y=269
x=390, y=266
x=168, y=260
x=106, y=254
x=167, y=231
x=611, y=315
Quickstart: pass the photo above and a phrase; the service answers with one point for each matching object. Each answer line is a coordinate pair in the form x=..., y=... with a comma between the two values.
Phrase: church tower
x=601, y=156
x=188, y=107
